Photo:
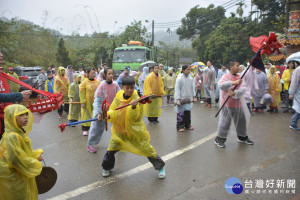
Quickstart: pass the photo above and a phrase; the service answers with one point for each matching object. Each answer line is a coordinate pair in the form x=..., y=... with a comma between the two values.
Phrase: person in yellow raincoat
x=170, y=80
x=153, y=85
x=274, y=89
x=19, y=163
x=162, y=73
x=73, y=94
x=86, y=93
x=61, y=84
x=287, y=78
x=129, y=133
x=14, y=87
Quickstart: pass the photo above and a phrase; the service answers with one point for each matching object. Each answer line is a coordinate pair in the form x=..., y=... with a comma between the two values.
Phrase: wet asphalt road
x=199, y=173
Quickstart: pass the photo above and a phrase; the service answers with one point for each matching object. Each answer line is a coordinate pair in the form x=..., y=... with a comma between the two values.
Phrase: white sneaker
x=201, y=101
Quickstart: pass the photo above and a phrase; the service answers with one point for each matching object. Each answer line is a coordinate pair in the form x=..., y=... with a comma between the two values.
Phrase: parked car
x=28, y=75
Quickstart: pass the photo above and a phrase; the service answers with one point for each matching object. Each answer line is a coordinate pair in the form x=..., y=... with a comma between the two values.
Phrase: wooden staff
x=37, y=87
x=93, y=65
x=139, y=100
x=75, y=102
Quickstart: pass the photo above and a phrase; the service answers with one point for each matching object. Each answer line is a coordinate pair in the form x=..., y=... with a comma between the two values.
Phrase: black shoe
x=250, y=142
x=220, y=144
x=270, y=110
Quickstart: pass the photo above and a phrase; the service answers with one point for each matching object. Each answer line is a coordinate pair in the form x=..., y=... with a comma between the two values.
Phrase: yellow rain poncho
x=13, y=86
x=86, y=93
x=19, y=163
x=153, y=85
x=62, y=83
x=162, y=74
x=274, y=87
x=287, y=74
x=129, y=133
x=170, y=83
x=74, y=112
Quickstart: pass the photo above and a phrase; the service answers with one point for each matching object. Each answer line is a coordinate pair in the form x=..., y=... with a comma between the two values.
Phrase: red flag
x=269, y=45
x=257, y=42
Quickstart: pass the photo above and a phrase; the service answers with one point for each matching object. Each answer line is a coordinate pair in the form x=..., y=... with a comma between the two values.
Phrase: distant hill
x=173, y=38
x=25, y=22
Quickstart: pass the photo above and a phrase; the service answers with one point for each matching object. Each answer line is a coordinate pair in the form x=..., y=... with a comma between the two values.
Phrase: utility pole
x=152, y=32
x=287, y=14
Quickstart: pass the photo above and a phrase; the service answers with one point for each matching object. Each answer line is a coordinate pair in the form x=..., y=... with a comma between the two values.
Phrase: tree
x=231, y=41
x=272, y=13
x=240, y=10
x=200, y=21
x=62, y=55
x=134, y=31
x=198, y=24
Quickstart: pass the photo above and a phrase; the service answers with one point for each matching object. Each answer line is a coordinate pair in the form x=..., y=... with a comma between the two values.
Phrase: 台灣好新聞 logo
x=233, y=186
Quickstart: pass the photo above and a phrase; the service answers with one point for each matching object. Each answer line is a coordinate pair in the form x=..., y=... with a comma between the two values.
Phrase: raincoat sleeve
x=194, y=88
x=18, y=159
x=112, y=111
x=285, y=76
x=255, y=83
x=46, y=86
x=71, y=91
x=177, y=94
x=240, y=92
x=213, y=78
x=279, y=86
x=10, y=97
x=98, y=99
x=82, y=92
x=295, y=82
x=18, y=86
x=147, y=86
x=56, y=85
x=266, y=81
x=225, y=85
x=119, y=81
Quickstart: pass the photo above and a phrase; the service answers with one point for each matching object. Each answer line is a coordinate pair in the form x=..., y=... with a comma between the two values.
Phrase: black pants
x=152, y=119
x=183, y=119
x=208, y=100
x=109, y=161
x=63, y=108
x=288, y=102
x=85, y=128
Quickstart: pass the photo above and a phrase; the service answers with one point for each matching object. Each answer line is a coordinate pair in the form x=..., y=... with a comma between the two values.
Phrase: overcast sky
x=87, y=16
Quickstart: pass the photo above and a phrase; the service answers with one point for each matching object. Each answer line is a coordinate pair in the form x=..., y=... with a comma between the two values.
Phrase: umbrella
x=146, y=64
x=293, y=56
x=198, y=63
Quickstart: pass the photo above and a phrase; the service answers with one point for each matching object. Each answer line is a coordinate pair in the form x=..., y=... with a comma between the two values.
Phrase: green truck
x=132, y=54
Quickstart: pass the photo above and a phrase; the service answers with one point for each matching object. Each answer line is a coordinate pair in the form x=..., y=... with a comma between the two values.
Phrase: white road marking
x=131, y=172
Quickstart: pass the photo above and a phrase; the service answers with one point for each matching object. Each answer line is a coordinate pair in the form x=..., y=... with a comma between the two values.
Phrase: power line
x=232, y=4
x=56, y=36
x=194, y=20
x=223, y=5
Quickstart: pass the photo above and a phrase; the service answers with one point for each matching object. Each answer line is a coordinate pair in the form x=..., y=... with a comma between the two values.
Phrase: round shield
x=46, y=180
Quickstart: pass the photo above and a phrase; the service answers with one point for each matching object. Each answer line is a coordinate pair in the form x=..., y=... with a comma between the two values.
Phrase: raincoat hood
x=76, y=76
x=10, y=119
x=273, y=67
x=59, y=71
